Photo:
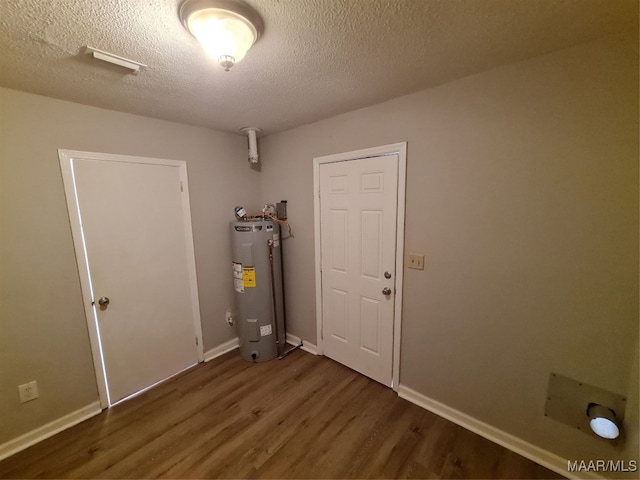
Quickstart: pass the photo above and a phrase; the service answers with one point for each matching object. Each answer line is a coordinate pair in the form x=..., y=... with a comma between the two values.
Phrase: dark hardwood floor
x=300, y=417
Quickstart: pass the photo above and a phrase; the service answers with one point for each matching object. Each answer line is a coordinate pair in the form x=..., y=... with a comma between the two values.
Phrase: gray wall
x=522, y=192
x=43, y=333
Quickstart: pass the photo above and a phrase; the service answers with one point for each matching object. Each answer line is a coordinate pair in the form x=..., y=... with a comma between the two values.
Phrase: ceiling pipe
x=252, y=134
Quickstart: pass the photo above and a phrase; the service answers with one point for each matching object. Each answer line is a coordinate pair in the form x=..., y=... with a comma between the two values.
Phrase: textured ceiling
x=316, y=58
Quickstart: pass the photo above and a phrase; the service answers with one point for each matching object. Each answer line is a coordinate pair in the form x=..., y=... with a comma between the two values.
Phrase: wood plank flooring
x=300, y=417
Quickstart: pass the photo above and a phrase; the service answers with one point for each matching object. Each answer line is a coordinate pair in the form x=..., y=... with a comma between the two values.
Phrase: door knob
x=386, y=291
x=387, y=275
x=103, y=301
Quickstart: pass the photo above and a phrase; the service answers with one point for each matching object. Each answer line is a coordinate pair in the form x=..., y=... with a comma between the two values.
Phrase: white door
x=358, y=219
x=136, y=240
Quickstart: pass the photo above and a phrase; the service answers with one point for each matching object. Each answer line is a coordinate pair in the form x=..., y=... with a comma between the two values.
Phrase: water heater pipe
x=273, y=291
x=252, y=133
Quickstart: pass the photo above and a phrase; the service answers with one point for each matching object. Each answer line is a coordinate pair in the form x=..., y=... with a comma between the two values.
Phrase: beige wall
x=522, y=192
x=43, y=334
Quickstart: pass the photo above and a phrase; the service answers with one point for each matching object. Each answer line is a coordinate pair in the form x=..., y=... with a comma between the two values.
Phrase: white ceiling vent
x=132, y=65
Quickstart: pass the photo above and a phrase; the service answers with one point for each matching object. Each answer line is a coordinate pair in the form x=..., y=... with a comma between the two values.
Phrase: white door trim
x=66, y=165
x=399, y=149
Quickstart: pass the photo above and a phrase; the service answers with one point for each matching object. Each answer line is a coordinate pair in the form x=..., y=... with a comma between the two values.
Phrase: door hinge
x=197, y=341
x=181, y=186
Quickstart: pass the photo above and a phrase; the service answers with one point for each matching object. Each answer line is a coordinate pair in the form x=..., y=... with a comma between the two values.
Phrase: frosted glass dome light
x=226, y=28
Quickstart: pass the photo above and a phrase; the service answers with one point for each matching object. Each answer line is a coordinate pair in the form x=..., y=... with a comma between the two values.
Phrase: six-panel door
x=358, y=209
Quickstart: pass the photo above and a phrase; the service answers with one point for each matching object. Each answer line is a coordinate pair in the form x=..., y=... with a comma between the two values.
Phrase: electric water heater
x=257, y=281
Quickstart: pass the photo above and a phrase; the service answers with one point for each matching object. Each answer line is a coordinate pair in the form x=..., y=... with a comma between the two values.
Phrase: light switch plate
x=415, y=260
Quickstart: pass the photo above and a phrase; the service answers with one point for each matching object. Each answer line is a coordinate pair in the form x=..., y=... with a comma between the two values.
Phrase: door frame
x=66, y=166
x=399, y=149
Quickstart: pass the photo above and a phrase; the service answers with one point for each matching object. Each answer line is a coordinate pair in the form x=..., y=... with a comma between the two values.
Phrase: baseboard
x=221, y=349
x=539, y=455
x=41, y=433
x=233, y=343
x=306, y=346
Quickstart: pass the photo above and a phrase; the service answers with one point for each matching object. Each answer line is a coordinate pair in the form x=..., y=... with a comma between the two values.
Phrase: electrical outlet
x=228, y=316
x=415, y=260
x=28, y=391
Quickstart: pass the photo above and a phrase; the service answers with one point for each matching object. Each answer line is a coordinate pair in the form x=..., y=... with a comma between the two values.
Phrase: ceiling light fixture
x=226, y=28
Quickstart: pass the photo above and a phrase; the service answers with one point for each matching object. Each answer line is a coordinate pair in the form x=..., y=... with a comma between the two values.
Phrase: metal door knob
x=386, y=291
x=104, y=301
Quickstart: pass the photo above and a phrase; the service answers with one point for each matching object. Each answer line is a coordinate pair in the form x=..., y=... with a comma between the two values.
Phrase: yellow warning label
x=249, y=276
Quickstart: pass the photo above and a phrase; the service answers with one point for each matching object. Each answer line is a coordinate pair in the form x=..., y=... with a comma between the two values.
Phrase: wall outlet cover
x=28, y=391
